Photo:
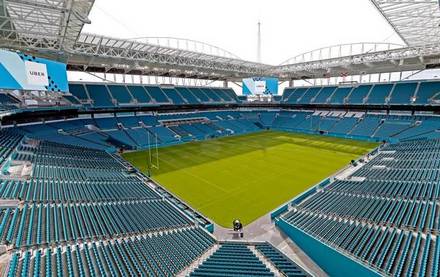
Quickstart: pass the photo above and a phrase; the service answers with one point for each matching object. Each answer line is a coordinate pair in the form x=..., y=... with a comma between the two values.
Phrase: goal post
x=152, y=153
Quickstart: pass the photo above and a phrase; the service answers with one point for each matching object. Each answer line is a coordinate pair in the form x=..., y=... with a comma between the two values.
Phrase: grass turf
x=249, y=175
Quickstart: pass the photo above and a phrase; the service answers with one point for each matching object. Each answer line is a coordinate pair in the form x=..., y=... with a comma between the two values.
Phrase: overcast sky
x=288, y=27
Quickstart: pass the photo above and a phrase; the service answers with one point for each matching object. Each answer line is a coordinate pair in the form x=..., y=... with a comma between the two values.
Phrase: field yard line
x=247, y=144
x=300, y=142
x=185, y=170
x=195, y=155
x=229, y=193
x=244, y=187
x=227, y=196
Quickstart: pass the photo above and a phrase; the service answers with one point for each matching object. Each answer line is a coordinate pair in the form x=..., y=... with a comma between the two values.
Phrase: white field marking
x=186, y=171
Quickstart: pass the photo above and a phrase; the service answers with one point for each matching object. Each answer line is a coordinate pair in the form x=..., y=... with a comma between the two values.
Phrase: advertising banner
x=26, y=72
x=260, y=86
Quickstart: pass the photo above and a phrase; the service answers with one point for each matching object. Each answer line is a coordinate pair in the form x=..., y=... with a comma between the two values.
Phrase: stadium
x=163, y=156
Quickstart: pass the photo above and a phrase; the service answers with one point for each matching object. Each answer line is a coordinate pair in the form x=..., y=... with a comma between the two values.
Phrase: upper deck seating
x=100, y=95
x=424, y=92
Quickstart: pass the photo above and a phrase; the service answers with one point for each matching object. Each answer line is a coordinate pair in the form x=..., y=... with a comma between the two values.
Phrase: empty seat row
x=383, y=173
x=67, y=173
x=163, y=254
x=232, y=259
x=39, y=190
x=393, y=93
x=283, y=263
x=391, y=251
x=411, y=190
x=46, y=224
x=110, y=96
x=415, y=215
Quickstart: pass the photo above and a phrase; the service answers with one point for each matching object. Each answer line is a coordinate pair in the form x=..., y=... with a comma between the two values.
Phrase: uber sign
x=260, y=87
x=36, y=74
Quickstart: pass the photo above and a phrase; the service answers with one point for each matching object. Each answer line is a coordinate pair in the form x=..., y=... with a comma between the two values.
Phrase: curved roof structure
x=417, y=22
x=341, y=50
x=188, y=44
x=395, y=60
x=105, y=54
x=42, y=24
x=53, y=29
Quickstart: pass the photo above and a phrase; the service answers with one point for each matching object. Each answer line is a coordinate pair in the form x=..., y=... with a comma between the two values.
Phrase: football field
x=247, y=176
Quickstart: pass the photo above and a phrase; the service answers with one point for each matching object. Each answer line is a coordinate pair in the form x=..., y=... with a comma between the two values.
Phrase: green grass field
x=248, y=176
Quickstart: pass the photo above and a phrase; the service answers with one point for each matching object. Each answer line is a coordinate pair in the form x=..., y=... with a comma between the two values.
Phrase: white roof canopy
x=44, y=24
x=53, y=29
x=417, y=22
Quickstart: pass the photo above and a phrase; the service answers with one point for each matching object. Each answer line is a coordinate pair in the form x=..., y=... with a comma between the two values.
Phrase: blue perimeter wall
x=331, y=261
